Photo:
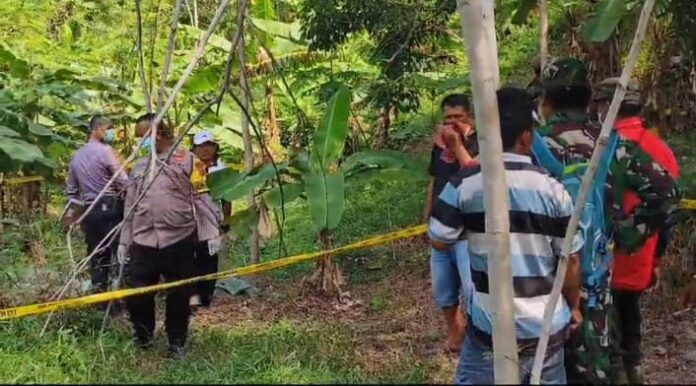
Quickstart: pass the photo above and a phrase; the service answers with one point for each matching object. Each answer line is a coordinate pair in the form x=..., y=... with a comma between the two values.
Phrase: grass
x=281, y=352
x=276, y=350
x=371, y=209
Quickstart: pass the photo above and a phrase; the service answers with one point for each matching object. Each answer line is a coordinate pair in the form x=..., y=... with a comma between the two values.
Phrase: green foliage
x=405, y=34
x=325, y=198
x=384, y=159
x=230, y=185
x=609, y=13
x=291, y=192
x=330, y=137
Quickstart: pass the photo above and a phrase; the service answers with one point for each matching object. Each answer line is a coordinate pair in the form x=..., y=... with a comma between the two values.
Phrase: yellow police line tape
x=21, y=180
x=66, y=304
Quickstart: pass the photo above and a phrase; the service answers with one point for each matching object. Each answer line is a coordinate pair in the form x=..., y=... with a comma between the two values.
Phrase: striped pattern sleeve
x=446, y=222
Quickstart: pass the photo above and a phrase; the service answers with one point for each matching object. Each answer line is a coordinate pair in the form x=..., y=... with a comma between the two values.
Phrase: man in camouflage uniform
x=642, y=196
x=571, y=135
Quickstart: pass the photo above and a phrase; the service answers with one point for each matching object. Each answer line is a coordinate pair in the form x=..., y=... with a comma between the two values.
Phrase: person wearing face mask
x=160, y=238
x=208, y=161
x=90, y=169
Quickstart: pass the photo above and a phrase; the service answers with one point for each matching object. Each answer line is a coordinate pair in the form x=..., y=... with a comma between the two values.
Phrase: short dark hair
x=630, y=110
x=568, y=97
x=515, y=107
x=98, y=121
x=456, y=100
x=162, y=128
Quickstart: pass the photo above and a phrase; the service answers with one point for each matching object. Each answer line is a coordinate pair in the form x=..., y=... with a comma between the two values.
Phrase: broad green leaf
x=524, y=7
x=300, y=162
x=609, y=13
x=203, y=79
x=20, y=150
x=290, y=193
x=18, y=67
x=289, y=31
x=231, y=185
x=330, y=137
x=384, y=159
x=216, y=41
x=325, y=197
x=40, y=130
x=8, y=133
x=264, y=10
x=243, y=222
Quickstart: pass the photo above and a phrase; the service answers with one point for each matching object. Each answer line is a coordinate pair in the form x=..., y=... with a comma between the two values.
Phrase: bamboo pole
x=246, y=134
x=475, y=15
x=598, y=153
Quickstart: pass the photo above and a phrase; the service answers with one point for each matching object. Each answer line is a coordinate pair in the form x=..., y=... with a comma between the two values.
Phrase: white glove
x=122, y=254
x=214, y=245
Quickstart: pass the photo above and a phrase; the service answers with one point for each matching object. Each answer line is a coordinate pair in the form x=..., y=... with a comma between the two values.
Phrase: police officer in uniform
x=160, y=237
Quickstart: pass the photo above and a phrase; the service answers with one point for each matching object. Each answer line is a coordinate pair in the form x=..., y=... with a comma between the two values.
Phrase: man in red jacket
x=643, y=194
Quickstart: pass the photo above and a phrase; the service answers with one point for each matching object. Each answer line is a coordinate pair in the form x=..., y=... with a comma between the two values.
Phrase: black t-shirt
x=444, y=164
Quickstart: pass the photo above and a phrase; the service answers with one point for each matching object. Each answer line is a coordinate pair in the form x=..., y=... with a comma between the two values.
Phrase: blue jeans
x=451, y=274
x=476, y=365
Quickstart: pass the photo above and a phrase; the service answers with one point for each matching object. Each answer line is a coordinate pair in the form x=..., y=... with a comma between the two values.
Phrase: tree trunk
x=543, y=33
x=327, y=279
x=477, y=23
x=384, y=125
x=246, y=137
x=598, y=153
x=543, y=46
x=272, y=129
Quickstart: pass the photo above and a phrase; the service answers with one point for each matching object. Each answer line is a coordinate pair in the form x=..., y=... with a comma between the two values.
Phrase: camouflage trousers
x=588, y=350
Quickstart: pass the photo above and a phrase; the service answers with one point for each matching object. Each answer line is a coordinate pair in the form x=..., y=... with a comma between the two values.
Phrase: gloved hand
x=122, y=254
x=214, y=245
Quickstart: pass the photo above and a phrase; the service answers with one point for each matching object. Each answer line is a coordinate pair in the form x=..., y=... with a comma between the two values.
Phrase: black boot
x=177, y=351
x=142, y=343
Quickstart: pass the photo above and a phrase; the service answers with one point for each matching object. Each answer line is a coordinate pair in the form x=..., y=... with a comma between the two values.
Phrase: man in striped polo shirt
x=540, y=209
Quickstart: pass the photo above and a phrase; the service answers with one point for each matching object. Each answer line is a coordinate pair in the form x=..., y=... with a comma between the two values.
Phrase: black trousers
x=107, y=213
x=174, y=262
x=205, y=264
x=627, y=323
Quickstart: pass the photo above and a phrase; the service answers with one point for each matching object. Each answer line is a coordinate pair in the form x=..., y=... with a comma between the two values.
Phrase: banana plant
x=319, y=176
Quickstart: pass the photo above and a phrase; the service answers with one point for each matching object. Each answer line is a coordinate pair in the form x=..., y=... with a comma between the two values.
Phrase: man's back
x=91, y=168
x=165, y=215
x=540, y=209
x=570, y=136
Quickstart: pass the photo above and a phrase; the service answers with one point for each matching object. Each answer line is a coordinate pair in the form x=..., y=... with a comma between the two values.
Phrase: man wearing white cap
x=206, y=149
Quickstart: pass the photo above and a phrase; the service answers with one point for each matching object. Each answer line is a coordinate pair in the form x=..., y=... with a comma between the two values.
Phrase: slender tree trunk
x=543, y=33
x=141, y=64
x=327, y=279
x=272, y=129
x=489, y=29
x=543, y=44
x=246, y=137
x=597, y=155
x=385, y=124
x=476, y=22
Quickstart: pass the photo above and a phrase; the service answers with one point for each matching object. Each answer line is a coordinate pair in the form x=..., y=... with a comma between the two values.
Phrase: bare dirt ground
x=394, y=319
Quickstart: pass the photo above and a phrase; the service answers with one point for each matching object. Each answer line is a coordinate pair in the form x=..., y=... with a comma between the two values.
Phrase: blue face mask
x=109, y=136
x=146, y=143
